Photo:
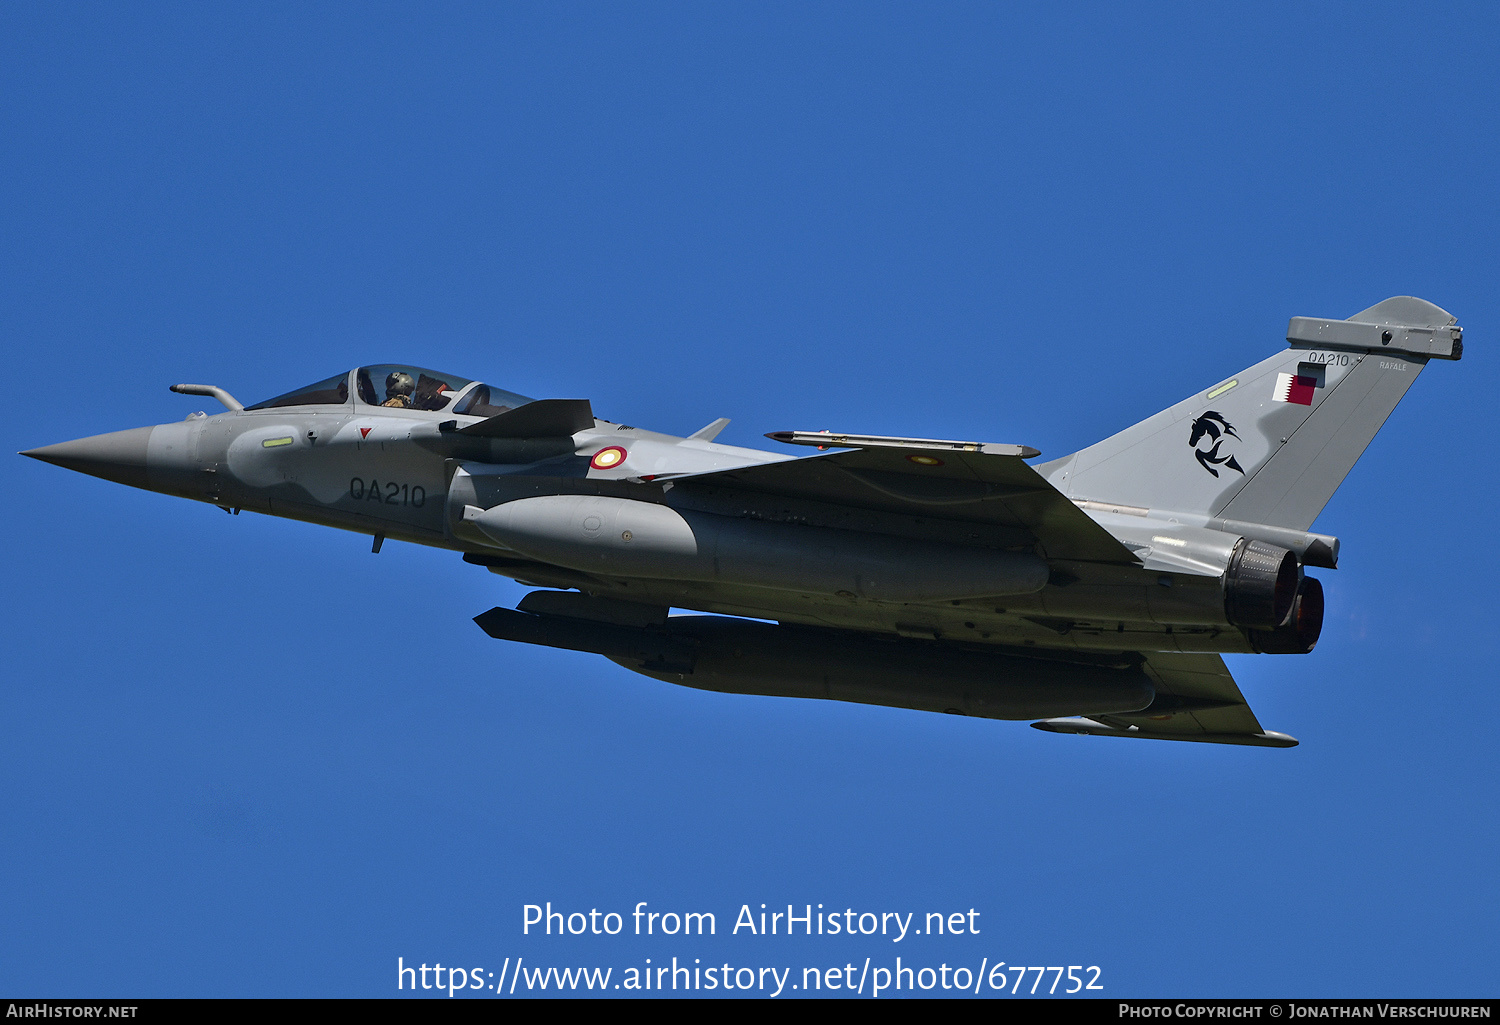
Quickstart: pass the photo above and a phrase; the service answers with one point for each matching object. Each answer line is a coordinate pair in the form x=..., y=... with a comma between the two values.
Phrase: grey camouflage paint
x=857, y=543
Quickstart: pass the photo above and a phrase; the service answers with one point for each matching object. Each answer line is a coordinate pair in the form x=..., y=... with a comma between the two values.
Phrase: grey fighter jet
x=1094, y=593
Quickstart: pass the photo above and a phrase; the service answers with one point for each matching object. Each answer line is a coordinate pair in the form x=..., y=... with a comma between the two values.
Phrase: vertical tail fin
x=1272, y=443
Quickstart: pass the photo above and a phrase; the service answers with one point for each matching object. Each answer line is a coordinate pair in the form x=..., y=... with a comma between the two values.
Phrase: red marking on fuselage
x=608, y=458
x=364, y=432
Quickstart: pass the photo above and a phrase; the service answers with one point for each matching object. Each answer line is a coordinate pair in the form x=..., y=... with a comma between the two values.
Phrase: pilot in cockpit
x=398, y=389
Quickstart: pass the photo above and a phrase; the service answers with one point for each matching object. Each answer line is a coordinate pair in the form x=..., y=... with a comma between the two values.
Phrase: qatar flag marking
x=1295, y=388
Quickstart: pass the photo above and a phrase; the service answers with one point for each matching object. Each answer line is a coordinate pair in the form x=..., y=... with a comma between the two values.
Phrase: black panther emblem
x=1214, y=428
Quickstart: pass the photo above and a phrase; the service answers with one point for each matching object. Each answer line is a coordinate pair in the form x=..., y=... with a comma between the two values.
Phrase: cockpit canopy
x=399, y=387
x=394, y=386
x=332, y=392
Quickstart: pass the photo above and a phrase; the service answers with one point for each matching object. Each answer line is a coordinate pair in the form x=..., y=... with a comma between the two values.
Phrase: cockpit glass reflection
x=332, y=392
x=486, y=400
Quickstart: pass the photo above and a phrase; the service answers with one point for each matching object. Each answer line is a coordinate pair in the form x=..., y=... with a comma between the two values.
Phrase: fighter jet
x=1094, y=593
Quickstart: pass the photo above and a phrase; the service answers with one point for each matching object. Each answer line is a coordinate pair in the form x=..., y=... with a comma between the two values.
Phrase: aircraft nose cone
x=119, y=456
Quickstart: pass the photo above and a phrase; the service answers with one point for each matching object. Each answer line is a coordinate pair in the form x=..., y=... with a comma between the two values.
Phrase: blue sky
x=246, y=757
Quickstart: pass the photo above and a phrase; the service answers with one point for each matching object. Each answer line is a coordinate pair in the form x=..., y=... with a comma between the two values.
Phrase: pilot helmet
x=399, y=383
